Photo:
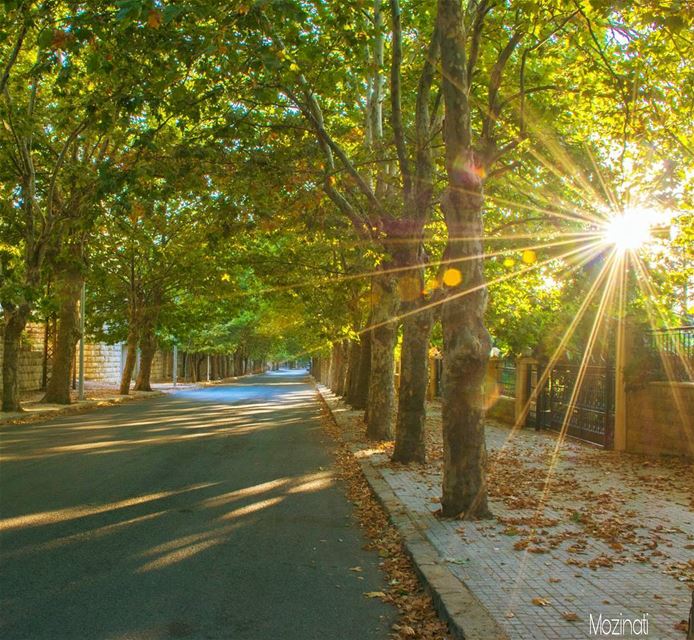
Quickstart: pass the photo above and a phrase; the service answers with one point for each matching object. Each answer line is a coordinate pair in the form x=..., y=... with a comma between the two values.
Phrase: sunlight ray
x=608, y=291
x=559, y=351
x=338, y=278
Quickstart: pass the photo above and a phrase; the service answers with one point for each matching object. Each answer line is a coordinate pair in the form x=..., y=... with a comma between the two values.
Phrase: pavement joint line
x=454, y=601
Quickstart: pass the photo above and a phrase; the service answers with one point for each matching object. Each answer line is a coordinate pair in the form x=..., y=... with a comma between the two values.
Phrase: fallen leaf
x=357, y=569
x=540, y=602
x=554, y=580
x=375, y=594
x=570, y=616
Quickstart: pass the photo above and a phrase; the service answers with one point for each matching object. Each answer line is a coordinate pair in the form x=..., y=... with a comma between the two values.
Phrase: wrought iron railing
x=673, y=351
x=586, y=412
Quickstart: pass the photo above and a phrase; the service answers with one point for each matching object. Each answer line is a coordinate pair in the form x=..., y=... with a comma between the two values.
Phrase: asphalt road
x=204, y=514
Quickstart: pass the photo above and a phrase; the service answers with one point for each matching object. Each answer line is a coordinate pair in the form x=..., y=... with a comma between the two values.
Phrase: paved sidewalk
x=97, y=394
x=614, y=534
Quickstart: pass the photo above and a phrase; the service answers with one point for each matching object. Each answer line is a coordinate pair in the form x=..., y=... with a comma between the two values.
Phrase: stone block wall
x=161, y=366
x=102, y=362
x=660, y=419
x=30, y=358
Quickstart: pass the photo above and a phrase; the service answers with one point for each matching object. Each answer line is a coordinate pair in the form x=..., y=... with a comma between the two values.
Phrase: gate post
x=522, y=390
x=624, y=342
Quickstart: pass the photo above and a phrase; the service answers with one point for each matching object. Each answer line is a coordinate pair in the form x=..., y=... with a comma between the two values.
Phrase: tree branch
x=483, y=9
x=395, y=94
x=15, y=50
x=494, y=86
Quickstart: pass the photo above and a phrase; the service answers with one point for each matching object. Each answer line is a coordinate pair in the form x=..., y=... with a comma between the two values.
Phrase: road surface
x=204, y=514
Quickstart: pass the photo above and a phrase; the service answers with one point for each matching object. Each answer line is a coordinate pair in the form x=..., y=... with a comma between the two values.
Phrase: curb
x=29, y=417
x=74, y=409
x=456, y=604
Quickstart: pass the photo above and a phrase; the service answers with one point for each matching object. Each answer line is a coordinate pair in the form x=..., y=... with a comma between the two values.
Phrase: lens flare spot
x=529, y=256
x=509, y=262
x=452, y=277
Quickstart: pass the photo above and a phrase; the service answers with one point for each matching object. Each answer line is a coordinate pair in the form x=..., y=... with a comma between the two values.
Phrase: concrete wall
x=497, y=406
x=503, y=409
x=660, y=419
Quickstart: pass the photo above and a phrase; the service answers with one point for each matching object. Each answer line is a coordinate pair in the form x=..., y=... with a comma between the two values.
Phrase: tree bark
x=130, y=360
x=354, y=349
x=466, y=343
x=16, y=319
x=382, y=384
x=68, y=288
x=360, y=398
x=148, y=348
x=411, y=420
x=341, y=368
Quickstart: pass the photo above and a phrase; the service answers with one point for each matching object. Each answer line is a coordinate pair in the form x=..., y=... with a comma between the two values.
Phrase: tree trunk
x=130, y=360
x=354, y=349
x=69, y=286
x=466, y=346
x=15, y=321
x=148, y=348
x=383, y=335
x=411, y=420
x=343, y=370
x=331, y=367
x=466, y=343
x=360, y=398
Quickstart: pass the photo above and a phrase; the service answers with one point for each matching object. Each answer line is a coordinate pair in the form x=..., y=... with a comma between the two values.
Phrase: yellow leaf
x=154, y=19
x=540, y=602
x=375, y=594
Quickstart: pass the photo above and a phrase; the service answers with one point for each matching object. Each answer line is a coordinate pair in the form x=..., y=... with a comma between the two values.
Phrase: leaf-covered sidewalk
x=602, y=533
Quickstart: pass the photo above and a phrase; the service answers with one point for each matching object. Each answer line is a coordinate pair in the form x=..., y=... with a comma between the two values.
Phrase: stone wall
x=102, y=362
x=30, y=358
x=660, y=419
x=161, y=366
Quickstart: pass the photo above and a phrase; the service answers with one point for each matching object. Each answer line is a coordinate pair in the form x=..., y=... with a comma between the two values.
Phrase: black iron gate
x=592, y=413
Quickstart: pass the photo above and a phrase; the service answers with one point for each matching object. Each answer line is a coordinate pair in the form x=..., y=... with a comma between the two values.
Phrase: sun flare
x=632, y=228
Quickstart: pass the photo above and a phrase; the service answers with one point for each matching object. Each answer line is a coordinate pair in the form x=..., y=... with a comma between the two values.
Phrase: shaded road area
x=204, y=514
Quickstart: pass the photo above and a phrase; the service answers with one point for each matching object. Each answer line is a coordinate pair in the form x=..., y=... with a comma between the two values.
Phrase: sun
x=632, y=228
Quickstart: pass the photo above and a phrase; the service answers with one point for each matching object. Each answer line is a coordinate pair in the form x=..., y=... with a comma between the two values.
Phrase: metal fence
x=672, y=353
x=589, y=417
x=506, y=377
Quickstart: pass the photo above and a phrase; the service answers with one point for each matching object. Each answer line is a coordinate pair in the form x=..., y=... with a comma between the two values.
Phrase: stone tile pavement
x=613, y=534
